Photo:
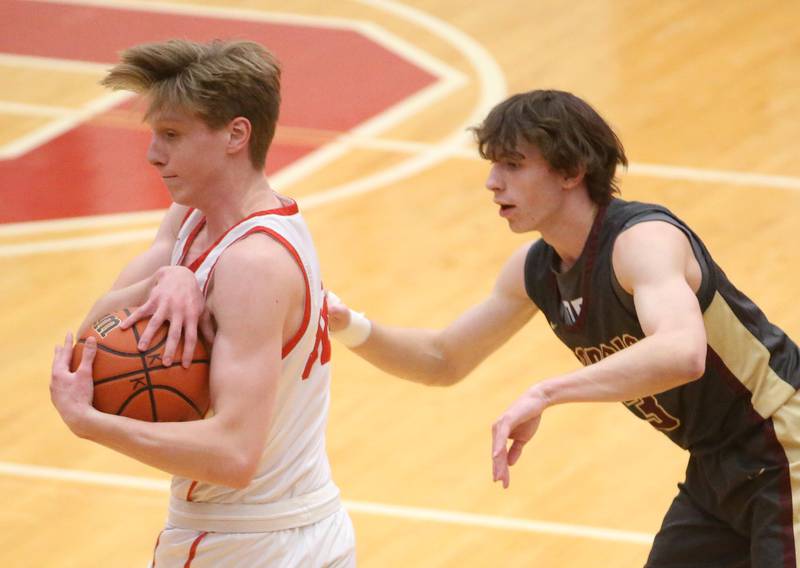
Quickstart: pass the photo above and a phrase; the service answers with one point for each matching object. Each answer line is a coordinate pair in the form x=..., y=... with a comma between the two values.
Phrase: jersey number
x=649, y=409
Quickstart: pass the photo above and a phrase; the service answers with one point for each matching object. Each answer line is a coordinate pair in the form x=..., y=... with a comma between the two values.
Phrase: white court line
x=57, y=127
x=77, y=243
x=51, y=64
x=81, y=223
x=359, y=507
x=319, y=158
x=66, y=119
x=317, y=200
x=492, y=80
x=490, y=75
x=713, y=176
x=492, y=87
x=27, y=109
x=380, y=35
x=226, y=13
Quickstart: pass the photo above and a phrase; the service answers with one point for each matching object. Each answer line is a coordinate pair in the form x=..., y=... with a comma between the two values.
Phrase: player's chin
x=179, y=197
x=520, y=225
x=517, y=227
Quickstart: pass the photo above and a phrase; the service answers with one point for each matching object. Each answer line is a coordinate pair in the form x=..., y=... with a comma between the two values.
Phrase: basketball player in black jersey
x=634, y=293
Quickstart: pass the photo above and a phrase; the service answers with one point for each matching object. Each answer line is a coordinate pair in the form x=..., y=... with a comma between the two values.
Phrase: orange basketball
x=136, y=384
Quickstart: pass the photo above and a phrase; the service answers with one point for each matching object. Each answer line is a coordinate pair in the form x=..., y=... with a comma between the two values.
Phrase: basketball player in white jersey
x=252, y=483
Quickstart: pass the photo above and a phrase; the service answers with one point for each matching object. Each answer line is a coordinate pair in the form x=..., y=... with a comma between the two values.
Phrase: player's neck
x=569, y=235
x=224, y=207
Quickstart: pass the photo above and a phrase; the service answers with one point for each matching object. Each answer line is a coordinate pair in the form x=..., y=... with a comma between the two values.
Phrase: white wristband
x=356, y=332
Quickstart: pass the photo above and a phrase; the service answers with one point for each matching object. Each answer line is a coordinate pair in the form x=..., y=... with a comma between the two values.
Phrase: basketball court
x=372, y=142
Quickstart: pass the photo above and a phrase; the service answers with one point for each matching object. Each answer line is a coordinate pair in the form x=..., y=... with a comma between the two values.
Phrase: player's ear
x=239, y=131
x=574, y=178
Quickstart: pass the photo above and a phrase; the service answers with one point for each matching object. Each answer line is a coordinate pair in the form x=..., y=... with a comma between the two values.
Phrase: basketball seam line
x=136, y=372
x=160, y=387
x=145, y=370
x=125, y=354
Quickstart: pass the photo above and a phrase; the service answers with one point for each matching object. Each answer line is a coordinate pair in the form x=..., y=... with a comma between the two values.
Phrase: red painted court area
x=333, y=79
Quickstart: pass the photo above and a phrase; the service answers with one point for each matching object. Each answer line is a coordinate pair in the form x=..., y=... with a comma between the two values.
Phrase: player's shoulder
x=258, y=271
x=259, y=261
x=171, y=224
x=651, y=233
x=512, y=275
x=522, y=252
x=650, y=250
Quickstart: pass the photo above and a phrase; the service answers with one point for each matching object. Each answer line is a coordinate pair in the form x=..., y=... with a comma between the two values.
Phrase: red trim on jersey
x=186, y=217
x=153, y=564
x=191, y=488
x=287, y=210
x=306, y=308
x=290, y=208
x=193, y=550
x=592, y=245
x=190, y=239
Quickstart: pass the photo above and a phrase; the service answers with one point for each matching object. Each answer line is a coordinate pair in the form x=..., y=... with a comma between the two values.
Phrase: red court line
x=93, y=170
x=333, y=79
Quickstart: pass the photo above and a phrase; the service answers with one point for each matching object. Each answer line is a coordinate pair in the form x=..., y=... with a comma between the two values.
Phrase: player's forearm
x=114, y=300
x=653, y=365
x=414, y=354
x=200, y=449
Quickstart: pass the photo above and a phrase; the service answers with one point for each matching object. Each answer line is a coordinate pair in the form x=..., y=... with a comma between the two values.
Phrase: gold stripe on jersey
x=785, y=421
x=746, y=357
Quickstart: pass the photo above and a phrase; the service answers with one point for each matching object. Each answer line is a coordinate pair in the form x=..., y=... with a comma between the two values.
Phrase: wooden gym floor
x=704, y=94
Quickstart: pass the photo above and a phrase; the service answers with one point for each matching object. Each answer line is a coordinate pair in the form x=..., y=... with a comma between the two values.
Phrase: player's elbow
x=694, y=361
x=449, y=375
x=240, y=471
x=447, y=368
x=237, y=464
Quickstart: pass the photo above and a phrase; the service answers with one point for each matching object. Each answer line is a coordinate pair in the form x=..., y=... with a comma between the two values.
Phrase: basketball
x=136, y=384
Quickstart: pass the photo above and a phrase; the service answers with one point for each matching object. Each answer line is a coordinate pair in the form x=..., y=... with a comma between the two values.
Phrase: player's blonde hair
x=218, y=81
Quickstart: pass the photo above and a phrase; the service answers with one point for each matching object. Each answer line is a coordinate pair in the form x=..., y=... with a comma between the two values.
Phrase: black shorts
x=735, y=510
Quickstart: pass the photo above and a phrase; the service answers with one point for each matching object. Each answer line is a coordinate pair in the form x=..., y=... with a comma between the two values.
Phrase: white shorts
x=329, y=543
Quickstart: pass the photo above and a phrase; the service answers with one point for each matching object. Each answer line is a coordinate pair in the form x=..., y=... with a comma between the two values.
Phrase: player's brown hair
x=568, y=132
x=218, y=81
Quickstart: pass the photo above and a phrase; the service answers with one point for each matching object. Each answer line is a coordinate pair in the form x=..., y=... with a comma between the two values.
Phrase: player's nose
x=155, y=154
x=493, y=180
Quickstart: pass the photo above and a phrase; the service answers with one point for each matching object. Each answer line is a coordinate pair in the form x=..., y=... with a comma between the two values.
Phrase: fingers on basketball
x=138, y=384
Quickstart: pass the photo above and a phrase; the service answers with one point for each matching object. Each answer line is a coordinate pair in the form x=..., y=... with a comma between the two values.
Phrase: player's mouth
x=505, y=209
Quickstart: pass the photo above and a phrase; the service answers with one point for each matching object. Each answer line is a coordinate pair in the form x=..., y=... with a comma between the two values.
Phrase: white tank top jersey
x=292, y=486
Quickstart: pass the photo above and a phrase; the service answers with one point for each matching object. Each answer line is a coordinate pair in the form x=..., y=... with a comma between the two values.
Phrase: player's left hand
x=176, y=298
x=338, y=312
x=518, y=423
x=71, y=392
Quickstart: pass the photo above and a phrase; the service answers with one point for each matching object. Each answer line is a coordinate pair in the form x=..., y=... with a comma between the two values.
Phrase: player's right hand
x=71, y=392
x=338, y=313
x=175, y=297
x=518, y=424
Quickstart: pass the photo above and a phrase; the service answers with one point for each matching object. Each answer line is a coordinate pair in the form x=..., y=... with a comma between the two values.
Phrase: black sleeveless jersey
x=752, y=367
